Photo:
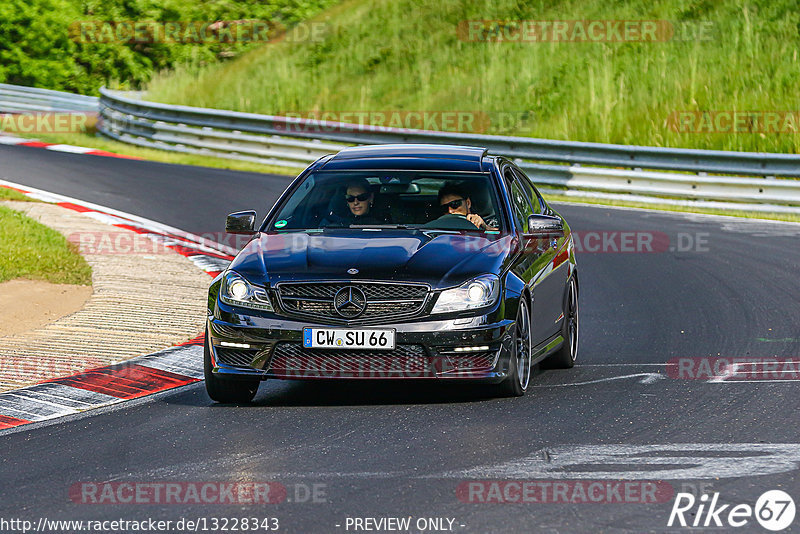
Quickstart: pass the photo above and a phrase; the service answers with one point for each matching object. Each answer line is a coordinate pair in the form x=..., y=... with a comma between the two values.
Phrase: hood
x=441, y=260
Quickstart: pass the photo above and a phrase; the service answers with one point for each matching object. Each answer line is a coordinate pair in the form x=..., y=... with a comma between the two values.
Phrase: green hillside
x=44, y=44
x=395, y=55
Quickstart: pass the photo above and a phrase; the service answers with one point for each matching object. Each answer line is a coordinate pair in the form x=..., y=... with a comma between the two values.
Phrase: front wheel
x=519, y=366
x=568, y=353
x=222, y=390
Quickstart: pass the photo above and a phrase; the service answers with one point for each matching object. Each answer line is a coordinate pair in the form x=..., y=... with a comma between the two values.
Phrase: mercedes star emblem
x=349, y=302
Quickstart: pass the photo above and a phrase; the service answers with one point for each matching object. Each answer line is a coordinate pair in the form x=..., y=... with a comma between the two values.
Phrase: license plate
x=335, y=338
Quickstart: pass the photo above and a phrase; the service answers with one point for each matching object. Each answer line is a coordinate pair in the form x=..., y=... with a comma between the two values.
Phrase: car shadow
x=368, y=392
x=308, y=393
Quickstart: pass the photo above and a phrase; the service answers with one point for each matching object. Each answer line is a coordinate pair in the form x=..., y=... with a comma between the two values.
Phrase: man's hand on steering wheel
x=477, y=220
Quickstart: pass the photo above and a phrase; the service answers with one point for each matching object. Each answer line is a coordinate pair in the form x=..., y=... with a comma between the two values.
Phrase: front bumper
x=250, y=346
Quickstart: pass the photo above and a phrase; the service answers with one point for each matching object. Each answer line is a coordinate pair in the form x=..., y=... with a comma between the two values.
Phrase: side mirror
x=241, y=222
x=545, y=225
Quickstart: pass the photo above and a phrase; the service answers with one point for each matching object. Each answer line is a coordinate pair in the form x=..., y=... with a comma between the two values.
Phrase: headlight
x=237, y=291
x=479, y=292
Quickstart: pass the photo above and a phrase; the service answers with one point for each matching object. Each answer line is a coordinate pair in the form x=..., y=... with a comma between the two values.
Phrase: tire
x=568, y=353
x=519, y=365
x=227, y=391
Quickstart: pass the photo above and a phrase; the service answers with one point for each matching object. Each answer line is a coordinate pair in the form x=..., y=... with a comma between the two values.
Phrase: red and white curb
x=56, y=147
x=171, y=368
x=174, y=367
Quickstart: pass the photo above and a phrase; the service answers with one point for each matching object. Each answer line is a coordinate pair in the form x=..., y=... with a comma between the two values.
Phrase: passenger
x=454, y=199
x=359, y=198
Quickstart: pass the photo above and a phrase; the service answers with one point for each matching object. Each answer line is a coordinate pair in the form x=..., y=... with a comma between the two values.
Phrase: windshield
x=392, y=199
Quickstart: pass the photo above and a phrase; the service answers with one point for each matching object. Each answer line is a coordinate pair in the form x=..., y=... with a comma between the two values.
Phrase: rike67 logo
x=774, y=510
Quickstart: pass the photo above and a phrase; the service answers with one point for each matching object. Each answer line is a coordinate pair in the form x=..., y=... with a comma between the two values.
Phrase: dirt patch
x=140, y=303
x=29, y=304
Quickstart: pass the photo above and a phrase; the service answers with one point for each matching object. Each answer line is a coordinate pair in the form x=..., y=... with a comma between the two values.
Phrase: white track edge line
x=225, y=249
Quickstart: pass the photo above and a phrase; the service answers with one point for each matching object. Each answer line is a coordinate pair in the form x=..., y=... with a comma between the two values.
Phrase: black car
x=396, y=262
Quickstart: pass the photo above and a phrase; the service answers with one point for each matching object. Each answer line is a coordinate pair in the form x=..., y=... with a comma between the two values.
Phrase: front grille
x=237, y=357
x=383, y=300
x=291, y=360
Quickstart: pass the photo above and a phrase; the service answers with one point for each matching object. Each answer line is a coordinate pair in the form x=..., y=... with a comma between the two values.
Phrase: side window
x=520, y=202
x=533, y=193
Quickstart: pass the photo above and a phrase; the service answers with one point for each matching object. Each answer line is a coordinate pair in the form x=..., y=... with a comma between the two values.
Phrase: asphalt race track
x=711, y=288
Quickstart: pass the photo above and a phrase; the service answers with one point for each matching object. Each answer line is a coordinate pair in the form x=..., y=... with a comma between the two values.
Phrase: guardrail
x=19, y=99
x=563, y=164
x=721, y=179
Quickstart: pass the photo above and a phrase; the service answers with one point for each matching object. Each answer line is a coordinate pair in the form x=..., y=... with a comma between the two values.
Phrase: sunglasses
x=453, y=204
x=361, y=198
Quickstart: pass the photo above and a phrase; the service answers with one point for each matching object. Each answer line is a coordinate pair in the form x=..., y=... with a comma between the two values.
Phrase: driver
x=454, y=199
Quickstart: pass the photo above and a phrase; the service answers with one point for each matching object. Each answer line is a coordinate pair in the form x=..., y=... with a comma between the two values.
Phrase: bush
x=38, y=48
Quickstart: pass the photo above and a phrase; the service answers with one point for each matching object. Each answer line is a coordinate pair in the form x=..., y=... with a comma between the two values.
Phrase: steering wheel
x=451, y=221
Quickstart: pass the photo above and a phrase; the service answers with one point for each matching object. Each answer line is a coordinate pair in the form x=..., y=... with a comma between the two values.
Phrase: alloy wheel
x=523, y=352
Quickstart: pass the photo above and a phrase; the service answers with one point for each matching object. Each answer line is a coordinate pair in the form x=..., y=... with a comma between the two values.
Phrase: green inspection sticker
x=281, y=223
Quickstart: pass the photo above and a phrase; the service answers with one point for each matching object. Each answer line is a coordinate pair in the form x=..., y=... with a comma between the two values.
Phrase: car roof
x=410, y=157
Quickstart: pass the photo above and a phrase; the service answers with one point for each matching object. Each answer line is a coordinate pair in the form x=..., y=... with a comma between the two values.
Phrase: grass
x=788, y=217
x=33, y=251
x=152, y=154
x=385, y=55
x=10, y=194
